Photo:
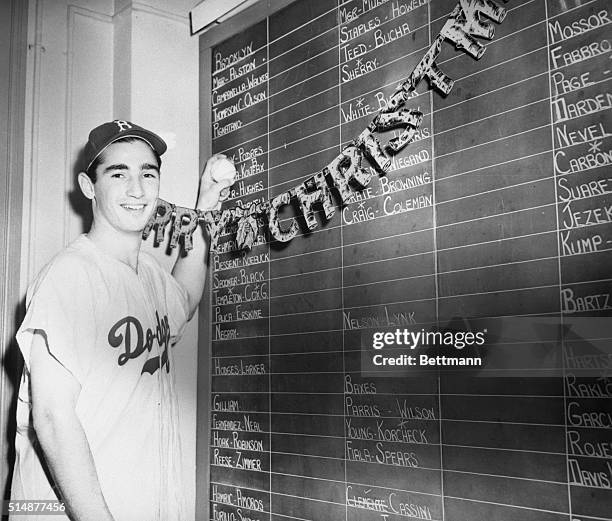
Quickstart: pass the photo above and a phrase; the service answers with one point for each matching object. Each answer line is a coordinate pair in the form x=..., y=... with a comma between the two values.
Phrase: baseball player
x=97, y=412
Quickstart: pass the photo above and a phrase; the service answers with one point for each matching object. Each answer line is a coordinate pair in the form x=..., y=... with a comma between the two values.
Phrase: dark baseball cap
x=107, y=133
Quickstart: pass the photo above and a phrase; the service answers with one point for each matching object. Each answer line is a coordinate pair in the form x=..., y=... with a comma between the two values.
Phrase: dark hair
x=91, y=171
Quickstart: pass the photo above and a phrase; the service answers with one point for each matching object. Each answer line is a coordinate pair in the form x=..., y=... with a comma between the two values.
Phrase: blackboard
x=496, y=217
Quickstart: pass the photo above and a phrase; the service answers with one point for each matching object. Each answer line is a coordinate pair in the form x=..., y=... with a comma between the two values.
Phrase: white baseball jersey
x=113, y=328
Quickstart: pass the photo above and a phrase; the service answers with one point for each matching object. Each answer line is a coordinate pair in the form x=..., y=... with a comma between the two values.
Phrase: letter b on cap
x=123, y=125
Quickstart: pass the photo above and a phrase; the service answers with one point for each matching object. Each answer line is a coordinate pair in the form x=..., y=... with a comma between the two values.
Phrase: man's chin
x=136, y=225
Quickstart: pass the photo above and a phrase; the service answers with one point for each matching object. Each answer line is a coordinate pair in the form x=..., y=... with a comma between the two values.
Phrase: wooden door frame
x=12, y=134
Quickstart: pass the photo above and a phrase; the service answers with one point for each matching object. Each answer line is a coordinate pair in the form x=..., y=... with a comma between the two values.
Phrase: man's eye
x=151, y=174
x=117, y=175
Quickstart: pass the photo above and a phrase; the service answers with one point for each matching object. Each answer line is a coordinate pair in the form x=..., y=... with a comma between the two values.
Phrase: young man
x=97, y=411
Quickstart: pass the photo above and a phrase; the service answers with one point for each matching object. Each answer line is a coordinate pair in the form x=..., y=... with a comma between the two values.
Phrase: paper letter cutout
x=158, y=221
x=372, y=148
x=426, y=67
x=412, y=119
x=345, y=167
x=395, y=101
x=215, y=223
x=185, y=222
x=247, y=232
x=274, y=225
x=247, y=224
x=464, y=21
x=314, y=190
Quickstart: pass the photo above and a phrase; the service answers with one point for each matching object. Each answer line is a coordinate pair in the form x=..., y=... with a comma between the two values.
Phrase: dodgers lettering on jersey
x=128, y=332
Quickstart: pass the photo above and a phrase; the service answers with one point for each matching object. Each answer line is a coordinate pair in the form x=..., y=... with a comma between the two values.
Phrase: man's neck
x=124, y=247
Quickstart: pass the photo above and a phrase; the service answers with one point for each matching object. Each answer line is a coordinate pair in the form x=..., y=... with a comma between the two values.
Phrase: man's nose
x=135, y=188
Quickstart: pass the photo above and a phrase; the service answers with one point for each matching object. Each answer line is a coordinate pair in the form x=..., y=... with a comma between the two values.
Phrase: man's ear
x=86, y=185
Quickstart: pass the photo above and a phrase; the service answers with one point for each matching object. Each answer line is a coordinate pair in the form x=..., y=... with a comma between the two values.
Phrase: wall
x=91, y=61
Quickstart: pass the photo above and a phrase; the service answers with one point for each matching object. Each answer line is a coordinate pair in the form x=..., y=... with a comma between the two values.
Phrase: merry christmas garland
x=345, y=172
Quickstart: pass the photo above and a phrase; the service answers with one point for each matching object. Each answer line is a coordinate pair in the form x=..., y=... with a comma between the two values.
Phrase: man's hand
x=190, y=270
x=218, y=176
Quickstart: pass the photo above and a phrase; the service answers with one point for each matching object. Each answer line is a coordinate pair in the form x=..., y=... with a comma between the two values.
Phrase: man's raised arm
x=190, y=270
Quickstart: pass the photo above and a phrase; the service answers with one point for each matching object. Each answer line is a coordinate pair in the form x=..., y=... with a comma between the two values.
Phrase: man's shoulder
x=80, y=253
x=149, y=260
x=69, y=265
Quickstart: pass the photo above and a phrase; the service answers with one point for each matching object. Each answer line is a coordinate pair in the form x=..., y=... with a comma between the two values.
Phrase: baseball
x=224, y=171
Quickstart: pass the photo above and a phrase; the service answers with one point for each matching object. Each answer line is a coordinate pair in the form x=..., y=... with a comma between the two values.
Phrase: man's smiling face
x=126, y=187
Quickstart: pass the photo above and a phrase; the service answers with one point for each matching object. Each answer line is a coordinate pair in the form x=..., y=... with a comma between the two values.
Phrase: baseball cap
x=103, y=135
